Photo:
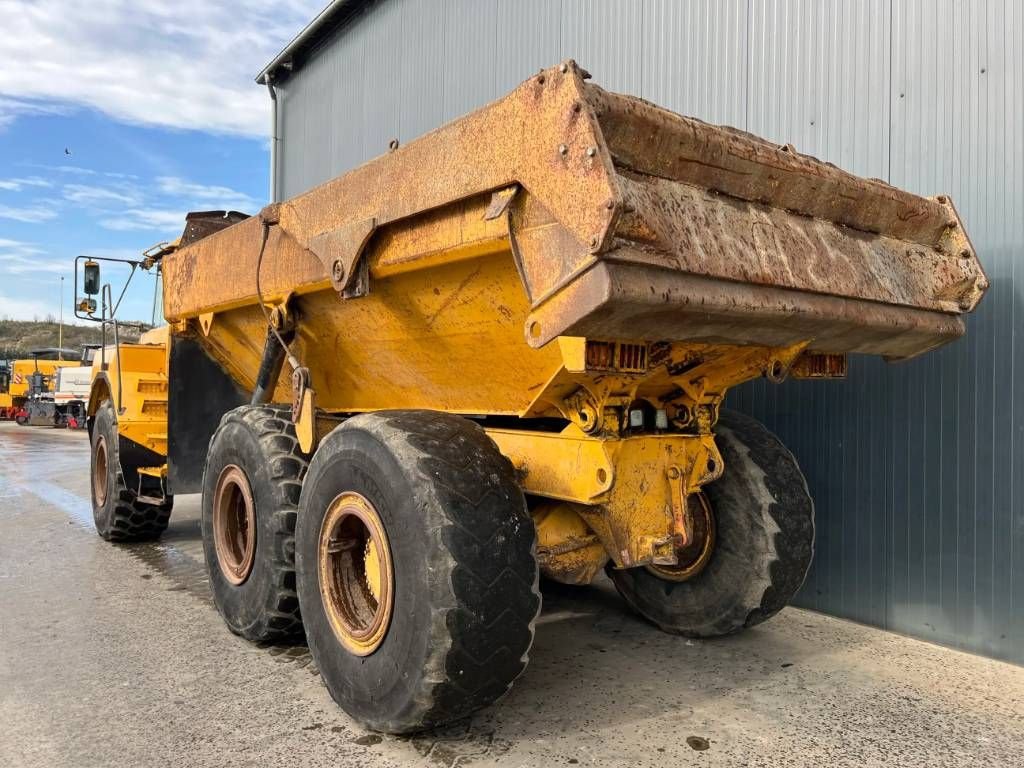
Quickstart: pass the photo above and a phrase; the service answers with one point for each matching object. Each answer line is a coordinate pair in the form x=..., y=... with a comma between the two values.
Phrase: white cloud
x=146, y=219
x=15, y=265
x=123, y=202
x=175, y=63
x=84, y=194
x=17, y=245
x=31, y=214
x=10, y=109
x=16, y=185
x=199, y=195
x=17, y=248
x=21, y=258
x=72, y=169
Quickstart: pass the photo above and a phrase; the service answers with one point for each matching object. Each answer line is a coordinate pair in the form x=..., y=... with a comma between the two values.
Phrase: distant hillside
x=19, y=337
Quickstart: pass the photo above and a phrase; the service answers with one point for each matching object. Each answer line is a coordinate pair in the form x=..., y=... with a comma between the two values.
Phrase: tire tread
x=275, y=433
x=493, y=595
x=131, y=520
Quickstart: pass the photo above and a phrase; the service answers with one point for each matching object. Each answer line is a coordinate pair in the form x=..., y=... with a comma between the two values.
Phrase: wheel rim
x=355, y=573
x=694, y=557
x=99, y=472
x=234, y=525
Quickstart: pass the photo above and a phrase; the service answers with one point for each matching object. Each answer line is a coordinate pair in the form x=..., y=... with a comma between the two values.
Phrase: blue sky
x=155, y=102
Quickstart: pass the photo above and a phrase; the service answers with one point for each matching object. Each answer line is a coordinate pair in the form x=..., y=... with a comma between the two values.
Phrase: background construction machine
x=6, y=402
x=508, y=344
x=70, y=395
x=57, y=389
x=32, y=380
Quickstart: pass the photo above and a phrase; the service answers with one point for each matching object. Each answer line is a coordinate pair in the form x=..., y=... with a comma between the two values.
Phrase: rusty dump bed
x=624, y=221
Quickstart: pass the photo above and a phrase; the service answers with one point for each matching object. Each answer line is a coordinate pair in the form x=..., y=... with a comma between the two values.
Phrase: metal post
x=273, y=139
x=60, y=328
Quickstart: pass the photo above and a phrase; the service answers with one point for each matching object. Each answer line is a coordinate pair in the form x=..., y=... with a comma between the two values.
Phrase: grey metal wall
x=917, y=468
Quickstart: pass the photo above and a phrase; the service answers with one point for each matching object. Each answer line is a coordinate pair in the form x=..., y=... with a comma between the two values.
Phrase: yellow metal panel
x=137, y=376
x=622, y=487
x=452, y=342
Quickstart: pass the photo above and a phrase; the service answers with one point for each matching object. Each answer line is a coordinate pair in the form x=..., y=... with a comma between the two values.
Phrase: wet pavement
x=114, y=656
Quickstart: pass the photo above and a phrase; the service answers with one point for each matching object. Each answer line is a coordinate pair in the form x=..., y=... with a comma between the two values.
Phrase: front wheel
x=117, y=511
x=416, y=569
x=763, y=522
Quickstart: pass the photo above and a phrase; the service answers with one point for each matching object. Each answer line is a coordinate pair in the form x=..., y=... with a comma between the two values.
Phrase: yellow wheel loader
x=501, y=351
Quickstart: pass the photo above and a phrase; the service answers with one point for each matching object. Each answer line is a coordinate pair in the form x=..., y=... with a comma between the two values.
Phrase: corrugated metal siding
x=695, y=58
x=916, y=467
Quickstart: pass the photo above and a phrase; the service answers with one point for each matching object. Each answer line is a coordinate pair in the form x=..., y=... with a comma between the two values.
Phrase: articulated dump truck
x=501, y=351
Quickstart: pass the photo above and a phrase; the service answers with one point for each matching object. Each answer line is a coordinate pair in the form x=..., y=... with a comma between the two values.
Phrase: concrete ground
x=114, y=656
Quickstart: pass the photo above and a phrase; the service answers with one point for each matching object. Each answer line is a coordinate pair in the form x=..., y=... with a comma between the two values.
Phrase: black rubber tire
x=261, y=441
x=463, y=545
x=122, y=517
x=764, y=519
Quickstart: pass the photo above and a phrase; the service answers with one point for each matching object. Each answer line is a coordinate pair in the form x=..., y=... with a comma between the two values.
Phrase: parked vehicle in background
x=55, y=390
x=33, y=377
x=6, y=402
x=71, y=395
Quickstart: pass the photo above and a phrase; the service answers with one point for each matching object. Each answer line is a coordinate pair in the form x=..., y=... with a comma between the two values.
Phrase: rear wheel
x=251, y=485
x=118, y=513
x=761, y=522
x=416, y=567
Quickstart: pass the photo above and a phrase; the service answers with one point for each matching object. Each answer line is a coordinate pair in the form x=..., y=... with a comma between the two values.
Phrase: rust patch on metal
x=620, y=356
x=654, y=141
x=696, y=539
x=612, y=300
x=234, y=525
x=339, y=250
x=500, y=202
x=812, y=365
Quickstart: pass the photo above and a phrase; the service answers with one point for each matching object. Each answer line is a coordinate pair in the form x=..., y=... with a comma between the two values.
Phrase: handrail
x=107, y=299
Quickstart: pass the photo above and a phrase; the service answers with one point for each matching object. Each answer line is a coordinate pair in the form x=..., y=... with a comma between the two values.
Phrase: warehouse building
x=917, y=467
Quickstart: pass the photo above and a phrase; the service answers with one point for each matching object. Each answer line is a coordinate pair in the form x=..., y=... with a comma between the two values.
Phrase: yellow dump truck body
x=564, y=210
x=532, y=313
x=562, y=253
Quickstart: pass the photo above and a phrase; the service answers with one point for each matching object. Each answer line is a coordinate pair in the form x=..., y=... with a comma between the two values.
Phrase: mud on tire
x=117, y=512
x=465, y=575
x=260, y=441
x=765, y=541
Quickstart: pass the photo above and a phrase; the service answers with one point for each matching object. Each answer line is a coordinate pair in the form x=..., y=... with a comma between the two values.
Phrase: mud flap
x=199, y=393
